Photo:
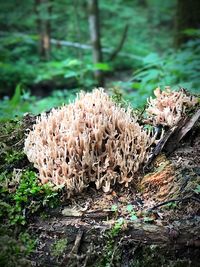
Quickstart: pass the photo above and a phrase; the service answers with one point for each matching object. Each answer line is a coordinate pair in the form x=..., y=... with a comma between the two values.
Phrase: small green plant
x=27, y=241
x=118, y=97
x=58, y=247
x=132, y=213
x=21, y=102
x=116, y=228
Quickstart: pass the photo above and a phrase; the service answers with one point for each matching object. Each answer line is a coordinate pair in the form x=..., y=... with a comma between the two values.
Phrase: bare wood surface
x=183, y=127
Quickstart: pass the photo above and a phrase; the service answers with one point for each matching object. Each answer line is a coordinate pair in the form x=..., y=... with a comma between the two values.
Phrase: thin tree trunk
x=120, y=45
x=77, y=25
x=43, y=12
x=187, y=17
x=95, y=38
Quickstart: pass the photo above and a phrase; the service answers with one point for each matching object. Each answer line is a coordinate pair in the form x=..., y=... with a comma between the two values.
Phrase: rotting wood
x=173, y=136
x=183, y=128
x=137, y=231
x=84, y=250
x=74, y=252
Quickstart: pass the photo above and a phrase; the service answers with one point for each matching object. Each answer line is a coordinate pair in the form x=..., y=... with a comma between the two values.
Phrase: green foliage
x=14, y=251
x=13, y=156
x=174, y=68
x=70, y=70
x=59, y=247
x=56, y=99
x=153, y=60
x=19, y=59
x=22, y=196
x=16, y=106
x=23, y=102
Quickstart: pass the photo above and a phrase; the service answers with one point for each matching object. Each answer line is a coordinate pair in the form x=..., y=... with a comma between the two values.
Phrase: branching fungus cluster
x=90, y=140
x=169, y=106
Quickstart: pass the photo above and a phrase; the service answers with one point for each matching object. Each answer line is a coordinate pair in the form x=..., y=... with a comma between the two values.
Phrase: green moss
x=11, y=145
x=14, y=156
x=10, y=131
x=22, y=195
x=14, y=250
x=59, y=247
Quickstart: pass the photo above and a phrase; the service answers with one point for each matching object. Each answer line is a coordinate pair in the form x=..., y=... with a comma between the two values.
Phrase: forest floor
x=157, y=223
x=154, y=223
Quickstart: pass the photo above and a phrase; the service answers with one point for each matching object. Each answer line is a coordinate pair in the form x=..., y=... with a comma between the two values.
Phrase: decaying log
x=160, y=235
x=174, y=135
x=89, y=239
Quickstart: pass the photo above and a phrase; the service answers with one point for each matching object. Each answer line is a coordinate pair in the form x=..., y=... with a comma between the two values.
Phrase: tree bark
x=94, y=27
x=187, y=17
x=43, y=10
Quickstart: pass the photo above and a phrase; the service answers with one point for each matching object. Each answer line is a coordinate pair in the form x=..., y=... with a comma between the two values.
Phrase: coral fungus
x=90, y=140
x=168, y=106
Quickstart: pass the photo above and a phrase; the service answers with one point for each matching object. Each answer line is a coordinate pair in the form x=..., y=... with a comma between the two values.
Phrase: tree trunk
x=43, y=12
x=77, y=26
x=95, y=38
x=187, y=17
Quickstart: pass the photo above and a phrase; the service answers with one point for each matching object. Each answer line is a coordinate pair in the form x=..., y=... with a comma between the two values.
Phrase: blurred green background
x=47, y=50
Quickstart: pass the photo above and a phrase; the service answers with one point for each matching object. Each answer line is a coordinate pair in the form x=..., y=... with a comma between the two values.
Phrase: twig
x=173, y=200
x=77, y=242
x=159, y=147
x=114, y=251
x=120, y=45
x=74, y=251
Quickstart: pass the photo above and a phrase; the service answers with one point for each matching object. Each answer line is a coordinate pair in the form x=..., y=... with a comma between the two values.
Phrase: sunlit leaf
x=102, y=66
